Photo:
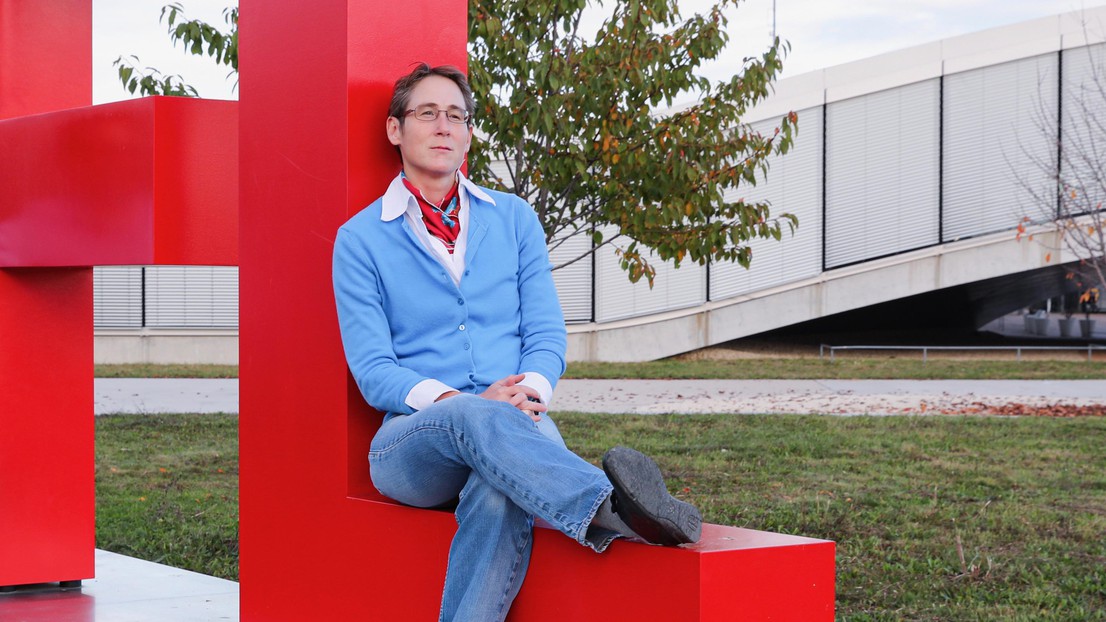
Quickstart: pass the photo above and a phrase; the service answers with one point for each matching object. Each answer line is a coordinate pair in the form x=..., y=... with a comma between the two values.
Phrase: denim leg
x=488, y=557
x=424, y=460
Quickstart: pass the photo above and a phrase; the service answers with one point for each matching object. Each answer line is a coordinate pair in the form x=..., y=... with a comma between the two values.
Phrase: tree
x=198, y=38
x=578, y=125
x=577, y=122
x=1071, y=202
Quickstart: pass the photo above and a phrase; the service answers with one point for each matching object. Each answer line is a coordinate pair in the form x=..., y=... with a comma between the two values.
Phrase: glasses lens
x=430, y=112
x=426, y=113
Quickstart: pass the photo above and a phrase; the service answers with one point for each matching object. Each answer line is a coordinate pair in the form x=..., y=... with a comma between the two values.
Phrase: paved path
x=166, y=395
x=678, y=396
x=820, y=396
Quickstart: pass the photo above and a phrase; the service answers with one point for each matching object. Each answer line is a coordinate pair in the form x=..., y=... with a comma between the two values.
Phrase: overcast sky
x=822, y=33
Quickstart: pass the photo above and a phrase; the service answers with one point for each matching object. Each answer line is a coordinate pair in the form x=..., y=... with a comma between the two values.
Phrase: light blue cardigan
x=401, y=314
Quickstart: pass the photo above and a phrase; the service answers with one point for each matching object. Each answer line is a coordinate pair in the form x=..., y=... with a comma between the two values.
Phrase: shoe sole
x=644, y=502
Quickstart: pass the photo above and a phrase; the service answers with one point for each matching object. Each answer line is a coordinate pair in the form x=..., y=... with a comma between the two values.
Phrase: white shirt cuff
x=539, y=383
x=425, y=393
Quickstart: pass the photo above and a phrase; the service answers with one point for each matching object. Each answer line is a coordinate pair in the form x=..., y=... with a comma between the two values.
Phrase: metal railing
x=1090, y=348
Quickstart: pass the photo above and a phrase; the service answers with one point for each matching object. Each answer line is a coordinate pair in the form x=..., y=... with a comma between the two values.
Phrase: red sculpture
x=139, y=182
x=317, y=541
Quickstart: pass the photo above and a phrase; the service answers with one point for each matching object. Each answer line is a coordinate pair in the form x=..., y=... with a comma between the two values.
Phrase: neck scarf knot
x=442, y=220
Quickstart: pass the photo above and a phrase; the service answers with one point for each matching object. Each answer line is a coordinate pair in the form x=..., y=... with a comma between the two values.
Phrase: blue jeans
x=507, y=470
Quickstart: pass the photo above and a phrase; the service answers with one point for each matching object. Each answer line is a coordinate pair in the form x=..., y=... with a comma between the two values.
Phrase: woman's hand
x=517, y=395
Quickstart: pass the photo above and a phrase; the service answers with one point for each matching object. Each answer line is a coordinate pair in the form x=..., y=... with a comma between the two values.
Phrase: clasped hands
x=517, y=395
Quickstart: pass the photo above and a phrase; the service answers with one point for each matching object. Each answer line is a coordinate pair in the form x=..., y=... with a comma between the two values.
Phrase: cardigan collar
x=397, y=198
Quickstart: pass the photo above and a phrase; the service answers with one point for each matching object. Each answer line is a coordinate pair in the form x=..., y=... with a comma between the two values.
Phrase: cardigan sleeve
x=542, y=322
x=366, y=335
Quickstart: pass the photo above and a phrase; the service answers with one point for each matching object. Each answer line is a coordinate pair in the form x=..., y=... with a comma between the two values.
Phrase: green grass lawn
x=935, y=518
x=845, y=367
x=167, y=490
x=848, y=367
x=166, y=371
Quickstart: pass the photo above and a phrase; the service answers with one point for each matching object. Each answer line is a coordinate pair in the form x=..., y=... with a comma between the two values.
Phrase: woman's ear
x=395, y=131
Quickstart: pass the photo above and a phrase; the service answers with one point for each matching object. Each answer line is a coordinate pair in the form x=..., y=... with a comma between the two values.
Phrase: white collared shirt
x=399, y=201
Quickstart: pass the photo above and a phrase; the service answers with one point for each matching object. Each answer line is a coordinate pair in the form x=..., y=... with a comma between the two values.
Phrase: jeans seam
x=505, y=601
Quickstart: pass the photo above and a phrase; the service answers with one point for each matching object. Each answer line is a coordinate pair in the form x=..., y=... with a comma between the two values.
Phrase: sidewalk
x=842, y=397
x=127, y=590
x=165, y=395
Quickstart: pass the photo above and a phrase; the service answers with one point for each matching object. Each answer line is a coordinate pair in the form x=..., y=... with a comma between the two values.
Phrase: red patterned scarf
x=442, y=222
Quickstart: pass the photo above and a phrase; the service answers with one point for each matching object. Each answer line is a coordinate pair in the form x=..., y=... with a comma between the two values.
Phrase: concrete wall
x=833, y=291
x=160, y=346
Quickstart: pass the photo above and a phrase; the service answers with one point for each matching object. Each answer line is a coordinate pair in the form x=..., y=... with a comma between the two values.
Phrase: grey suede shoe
x=641, y=500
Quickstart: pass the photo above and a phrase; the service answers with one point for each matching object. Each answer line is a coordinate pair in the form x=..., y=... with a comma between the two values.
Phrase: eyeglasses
x=429, y=113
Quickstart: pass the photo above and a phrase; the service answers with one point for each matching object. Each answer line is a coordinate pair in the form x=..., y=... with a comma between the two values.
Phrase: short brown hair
x=401, y=94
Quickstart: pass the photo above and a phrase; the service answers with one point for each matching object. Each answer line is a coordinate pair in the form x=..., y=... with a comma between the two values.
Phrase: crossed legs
x=506, y=469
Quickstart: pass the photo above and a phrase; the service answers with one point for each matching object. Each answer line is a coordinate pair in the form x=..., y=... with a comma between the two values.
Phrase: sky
x=821, y=33
x=132, y=27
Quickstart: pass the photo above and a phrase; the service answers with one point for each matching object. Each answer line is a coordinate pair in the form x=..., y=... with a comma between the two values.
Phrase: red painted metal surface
x=47, y=507
x=45, y=56
x=730, y=575
x=144, y=181
x=139, y=182
x=313, y=153
x=317, y=542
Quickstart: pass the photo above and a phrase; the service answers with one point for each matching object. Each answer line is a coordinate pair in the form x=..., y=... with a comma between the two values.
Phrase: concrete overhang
x=834, y=291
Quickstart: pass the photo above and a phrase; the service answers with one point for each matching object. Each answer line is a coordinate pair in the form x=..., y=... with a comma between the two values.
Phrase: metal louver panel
x=793, y=184
x=617, y=297
x=574, y=280
x=999, y=152
x=500, y=170
x=192, y=297
x=1083, y=128
x=882, y=173
x=117, y=296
